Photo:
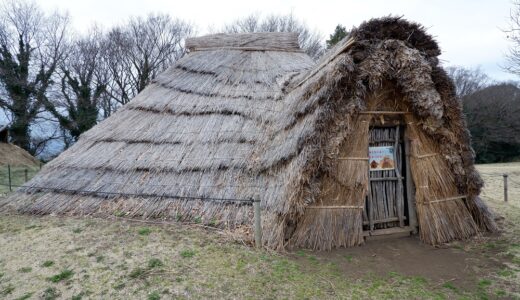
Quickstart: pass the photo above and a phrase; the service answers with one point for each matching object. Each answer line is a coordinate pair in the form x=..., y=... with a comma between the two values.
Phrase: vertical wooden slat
x=410, y=187
x=505, y=187
x=399, y=192
x=369, y=187
x=9, y=177
x=258, y=224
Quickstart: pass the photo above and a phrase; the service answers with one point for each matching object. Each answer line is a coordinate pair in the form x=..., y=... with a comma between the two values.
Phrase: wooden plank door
x=385, y=205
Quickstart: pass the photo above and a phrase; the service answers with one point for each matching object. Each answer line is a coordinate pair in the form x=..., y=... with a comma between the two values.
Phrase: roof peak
x=257, y=41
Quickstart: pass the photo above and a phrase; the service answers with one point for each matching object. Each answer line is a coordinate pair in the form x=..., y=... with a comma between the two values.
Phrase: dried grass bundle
x=336, y=218
x=441, y=211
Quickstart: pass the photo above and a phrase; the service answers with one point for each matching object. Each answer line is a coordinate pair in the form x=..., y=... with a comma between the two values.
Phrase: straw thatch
x=252, y=117
x=13, y=155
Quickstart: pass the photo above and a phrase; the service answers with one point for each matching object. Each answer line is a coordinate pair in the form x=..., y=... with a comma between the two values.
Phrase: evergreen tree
x=339, y=33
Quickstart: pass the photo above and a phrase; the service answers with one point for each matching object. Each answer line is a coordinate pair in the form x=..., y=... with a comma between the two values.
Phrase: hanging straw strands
x=325, y=226
x=449, y=218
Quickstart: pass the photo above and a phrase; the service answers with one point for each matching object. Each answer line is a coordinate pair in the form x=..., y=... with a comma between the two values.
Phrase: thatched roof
x=250, y=117
x=16, y=157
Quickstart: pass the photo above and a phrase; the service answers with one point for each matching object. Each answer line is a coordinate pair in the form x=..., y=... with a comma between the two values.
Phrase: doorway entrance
x=388, y=207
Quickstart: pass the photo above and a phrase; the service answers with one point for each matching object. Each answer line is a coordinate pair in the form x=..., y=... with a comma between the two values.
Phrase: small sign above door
x=381, y=158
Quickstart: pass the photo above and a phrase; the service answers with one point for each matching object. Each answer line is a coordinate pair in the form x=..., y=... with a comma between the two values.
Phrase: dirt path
x=408, y=256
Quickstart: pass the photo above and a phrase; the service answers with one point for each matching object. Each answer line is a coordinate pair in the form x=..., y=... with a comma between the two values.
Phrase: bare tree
x=83, y=80
x=31, y=48
x=467, y=81
x=513, y=35
x=310, y=41
x=139, y=50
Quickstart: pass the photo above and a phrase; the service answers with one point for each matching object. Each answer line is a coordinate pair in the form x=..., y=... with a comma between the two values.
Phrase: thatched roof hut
x=13, y=155
x=251, y=116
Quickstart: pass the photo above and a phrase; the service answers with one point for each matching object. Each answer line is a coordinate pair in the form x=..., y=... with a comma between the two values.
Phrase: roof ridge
x=257, y=41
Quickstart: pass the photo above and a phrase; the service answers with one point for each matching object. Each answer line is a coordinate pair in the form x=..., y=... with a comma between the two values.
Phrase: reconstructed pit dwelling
x=369, y=140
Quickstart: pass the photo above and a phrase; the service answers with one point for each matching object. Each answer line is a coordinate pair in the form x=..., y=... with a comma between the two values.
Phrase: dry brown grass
x=16, y=156
x=118, y=259
x=494, y=187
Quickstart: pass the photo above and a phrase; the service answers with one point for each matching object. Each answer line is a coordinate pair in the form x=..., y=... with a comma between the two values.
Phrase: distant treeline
x=492, y=112
x=493, y=116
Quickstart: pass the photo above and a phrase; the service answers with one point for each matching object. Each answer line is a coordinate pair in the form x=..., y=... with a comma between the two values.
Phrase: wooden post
x=9, y=177
x=369, y=198
x=399, y=198
x=505, y=187
x=26, y=175
x=258, y=224
x=40, y=165
x=410, y=187
x=370, y=205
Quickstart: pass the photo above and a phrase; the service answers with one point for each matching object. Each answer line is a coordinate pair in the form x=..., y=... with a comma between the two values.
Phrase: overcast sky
x=468, y=31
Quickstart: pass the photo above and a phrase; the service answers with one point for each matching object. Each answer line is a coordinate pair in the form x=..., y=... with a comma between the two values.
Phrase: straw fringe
x=439, y=221
x=224, y=215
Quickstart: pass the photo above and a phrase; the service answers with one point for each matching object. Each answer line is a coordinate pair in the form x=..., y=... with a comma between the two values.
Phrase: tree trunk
x=20, y=132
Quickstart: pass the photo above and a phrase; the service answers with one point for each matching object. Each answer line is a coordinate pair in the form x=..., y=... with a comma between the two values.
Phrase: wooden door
x=386, y=200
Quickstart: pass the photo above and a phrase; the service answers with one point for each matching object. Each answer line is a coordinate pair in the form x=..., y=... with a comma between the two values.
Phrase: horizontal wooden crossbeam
x=352, y=158
x=443, y=200
x=385, y=178
x=335, y=207
x=375, y=112
x=425, y=155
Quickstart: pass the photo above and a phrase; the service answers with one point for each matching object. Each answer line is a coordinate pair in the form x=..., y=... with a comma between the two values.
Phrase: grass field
x=17, y=177
x=85, y=258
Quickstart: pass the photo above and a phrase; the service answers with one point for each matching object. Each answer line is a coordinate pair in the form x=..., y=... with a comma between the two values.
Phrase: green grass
x=187, y=253
x=154, y=296
x=449, y=285
x=25, y=270
x=63, y=275
x=136, y=273
x=50, y=293
x=47, y=263
x=7, y=290
x=144, y=231
x=154, y=263
x=506, y=273
x=25, y=296
x=17, y=177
